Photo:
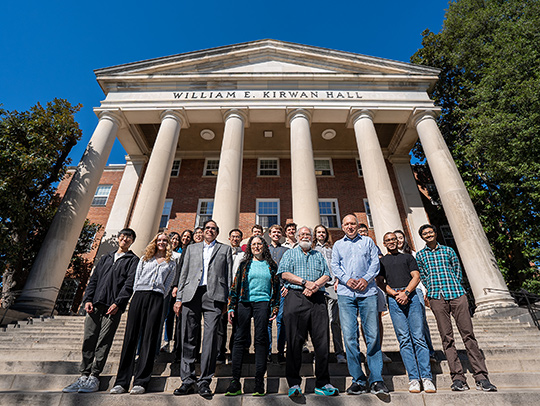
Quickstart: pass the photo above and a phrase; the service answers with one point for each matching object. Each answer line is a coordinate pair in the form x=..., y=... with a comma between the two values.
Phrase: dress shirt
x=440, y=271
x=208, y=249
x=155, y=276
x=309, y=266
x=354, y=259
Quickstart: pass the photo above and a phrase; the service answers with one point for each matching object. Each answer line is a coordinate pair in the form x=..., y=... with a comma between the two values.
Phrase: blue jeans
x=366, y=307
x=427, y=333
x=281, y=337
x=408, y=321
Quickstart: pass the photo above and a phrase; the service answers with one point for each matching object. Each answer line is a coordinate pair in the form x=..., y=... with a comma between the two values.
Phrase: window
x=323, y=167
x=211, y=166
x=433, y=194
x=268, y=167
x=204, y=211
x=368, y=213
x=102, y=195
x=175, y=171
x=447, y=235
x=359, y=168
x=167, y=206
x=329, y=212
x=267, y=212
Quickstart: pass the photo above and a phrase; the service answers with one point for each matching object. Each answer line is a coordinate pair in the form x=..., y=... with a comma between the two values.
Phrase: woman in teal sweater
x=254, y=293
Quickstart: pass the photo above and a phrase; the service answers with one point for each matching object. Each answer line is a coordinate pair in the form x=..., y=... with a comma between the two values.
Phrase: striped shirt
x=309, y=266
x=155, y=276
x=440, y=272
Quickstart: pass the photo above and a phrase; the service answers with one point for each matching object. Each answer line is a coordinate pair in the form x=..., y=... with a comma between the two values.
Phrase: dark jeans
x=302, y=314
x=281, y=336
x=459, y=308
x=144, y=321
x=260, y=311
x=99, y=331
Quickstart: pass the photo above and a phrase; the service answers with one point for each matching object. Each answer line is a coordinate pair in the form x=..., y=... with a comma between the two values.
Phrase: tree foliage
x=34, y=148
x=489, y=93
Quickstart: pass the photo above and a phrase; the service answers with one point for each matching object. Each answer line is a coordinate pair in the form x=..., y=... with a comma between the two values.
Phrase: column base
x=35, y=306
x=495, y=307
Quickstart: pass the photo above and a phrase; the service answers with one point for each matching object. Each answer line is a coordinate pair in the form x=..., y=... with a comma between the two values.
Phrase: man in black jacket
x=106, y=298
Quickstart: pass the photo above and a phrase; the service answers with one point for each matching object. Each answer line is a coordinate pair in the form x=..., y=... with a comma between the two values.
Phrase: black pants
x=260, y=311
x=144, y=321
x=302, y=314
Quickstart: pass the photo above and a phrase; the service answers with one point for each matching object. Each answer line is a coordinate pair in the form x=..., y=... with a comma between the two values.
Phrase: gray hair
x=299, y=228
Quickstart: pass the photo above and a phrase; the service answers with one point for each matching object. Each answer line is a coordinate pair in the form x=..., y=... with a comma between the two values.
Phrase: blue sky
x=50, y=49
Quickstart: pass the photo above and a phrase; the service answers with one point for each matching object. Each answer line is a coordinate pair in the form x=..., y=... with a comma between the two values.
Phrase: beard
x=305, y=245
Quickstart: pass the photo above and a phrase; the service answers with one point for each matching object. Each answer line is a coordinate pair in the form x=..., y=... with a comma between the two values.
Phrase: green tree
x=34, y=148
x=489, y=94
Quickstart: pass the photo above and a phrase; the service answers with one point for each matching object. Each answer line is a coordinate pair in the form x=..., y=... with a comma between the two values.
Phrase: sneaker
x=91, y=385
x=295, y=391
x=485, y=385
x=234, y=388
x=386, y=359
x=379, y=388
x=75, y=386
x=327, y=390
x=137, y=390
x=259, y=389
x=429, y=386
x=341, y=359
x=118, y=389
x=459, y=386
x=357, y=389
x=414, y=386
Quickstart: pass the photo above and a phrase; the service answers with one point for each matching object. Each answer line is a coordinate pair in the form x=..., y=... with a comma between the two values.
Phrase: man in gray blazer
x=203, y=289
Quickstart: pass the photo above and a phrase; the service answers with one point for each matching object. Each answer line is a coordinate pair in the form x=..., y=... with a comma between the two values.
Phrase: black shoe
x=281, y=358
x=205, y=391
x=356, y=389
x=185, y=389
x=234, y=388
x=379, y=388
x=485, y=385
x=459, y=386
x=259, y=389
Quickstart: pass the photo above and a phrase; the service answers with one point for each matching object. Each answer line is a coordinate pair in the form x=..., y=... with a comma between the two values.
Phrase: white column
x=412, y=201
x=305, y=198
x=47, y=274
x=474, y=249
x=123, y=203
x=382, y=201
x=149, y=205
x=229, y=179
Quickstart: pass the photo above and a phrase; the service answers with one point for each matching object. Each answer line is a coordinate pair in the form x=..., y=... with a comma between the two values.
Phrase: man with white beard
x=305, y=273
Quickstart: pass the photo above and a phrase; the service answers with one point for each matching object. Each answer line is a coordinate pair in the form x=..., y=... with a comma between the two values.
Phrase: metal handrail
x=530, y=299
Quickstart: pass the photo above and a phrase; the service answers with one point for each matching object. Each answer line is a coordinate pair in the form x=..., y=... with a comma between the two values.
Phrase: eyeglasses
x=426, y=233
x=210, y=228
x=391, y=240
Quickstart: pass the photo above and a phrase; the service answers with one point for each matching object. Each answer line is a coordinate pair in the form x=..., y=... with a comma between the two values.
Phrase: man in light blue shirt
x=355, y=263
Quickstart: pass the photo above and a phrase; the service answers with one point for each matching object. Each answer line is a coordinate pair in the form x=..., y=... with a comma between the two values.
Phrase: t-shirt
x=259, y=282
x=397, y=268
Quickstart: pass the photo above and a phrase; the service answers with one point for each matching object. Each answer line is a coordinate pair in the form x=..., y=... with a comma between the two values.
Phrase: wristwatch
x=303, y=282
x=407, y=293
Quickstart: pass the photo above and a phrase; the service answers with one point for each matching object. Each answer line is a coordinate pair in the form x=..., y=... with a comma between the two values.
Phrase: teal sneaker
x=327, y=390
x=295, y=391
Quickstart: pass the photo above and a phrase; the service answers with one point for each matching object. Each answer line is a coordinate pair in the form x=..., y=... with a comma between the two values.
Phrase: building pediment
x=264, y=58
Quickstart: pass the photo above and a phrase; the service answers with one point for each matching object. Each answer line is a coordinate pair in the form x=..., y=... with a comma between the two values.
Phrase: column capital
x=355, y=115
x=136, y=159
x=420, y=115
x=242, y=114
x=178, y=116
x=111, y=115
x=399, y=159
x=297, y=113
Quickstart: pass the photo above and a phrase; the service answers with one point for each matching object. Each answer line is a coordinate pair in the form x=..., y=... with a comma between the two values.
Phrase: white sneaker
x=414, y=386
x=137, y=390
x=429, y=386
x=341, y=359
x=90, y=385
x=117, y=390
x=386, y=359
x=75, y=386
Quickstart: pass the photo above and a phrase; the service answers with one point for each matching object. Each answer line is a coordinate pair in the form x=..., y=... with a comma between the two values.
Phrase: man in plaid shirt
x=441, y=274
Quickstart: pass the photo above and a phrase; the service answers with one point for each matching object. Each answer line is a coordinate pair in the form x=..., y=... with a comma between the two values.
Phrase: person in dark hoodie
x=106, y=298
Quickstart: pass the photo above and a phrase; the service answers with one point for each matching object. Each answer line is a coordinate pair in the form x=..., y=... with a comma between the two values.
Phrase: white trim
x=359, y=170
x=167, y=208
x=206, y=166
x=367, y=209
x=258, y=216
x=101, y=196
x=177, y=170
x=198, y=222
x=336, y=214
x=331, y=167
x=267, y=159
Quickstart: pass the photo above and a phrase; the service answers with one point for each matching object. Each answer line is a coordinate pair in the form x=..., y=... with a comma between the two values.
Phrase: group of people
x=307, y=285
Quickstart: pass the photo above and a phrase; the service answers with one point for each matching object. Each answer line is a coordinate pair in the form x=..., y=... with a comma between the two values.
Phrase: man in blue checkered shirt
x=305, y=273
x=441, y=274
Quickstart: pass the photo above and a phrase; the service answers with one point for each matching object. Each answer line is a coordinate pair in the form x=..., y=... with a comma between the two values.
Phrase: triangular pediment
x=264, y=57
